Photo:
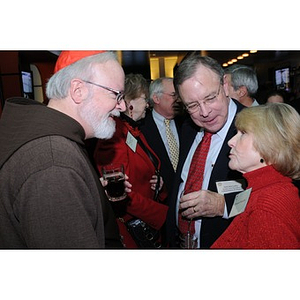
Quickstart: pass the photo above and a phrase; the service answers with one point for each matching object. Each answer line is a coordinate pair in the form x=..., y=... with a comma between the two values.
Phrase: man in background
x=242, y=84
x=161, y=126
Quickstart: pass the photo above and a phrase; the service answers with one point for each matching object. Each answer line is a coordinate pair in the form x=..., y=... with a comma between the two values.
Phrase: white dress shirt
x=255, y=103
x=217, y=141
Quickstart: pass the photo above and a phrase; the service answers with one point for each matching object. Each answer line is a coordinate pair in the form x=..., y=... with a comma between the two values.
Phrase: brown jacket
x=50, y=195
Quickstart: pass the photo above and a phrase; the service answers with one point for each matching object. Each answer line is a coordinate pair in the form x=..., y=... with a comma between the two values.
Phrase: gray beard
x=103, y=127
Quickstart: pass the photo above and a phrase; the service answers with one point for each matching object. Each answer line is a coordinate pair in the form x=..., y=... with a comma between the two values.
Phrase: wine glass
x=188, y=239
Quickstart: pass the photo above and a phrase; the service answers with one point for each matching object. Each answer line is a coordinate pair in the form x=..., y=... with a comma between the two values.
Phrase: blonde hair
x=135, y=86
x=276, y=132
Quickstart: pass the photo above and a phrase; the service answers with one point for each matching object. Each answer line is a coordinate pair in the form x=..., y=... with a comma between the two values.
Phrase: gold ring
x=194, y=209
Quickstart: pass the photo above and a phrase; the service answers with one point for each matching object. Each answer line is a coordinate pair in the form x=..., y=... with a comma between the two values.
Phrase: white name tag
x=229, y=186
x=131, y=141
x=240, y=203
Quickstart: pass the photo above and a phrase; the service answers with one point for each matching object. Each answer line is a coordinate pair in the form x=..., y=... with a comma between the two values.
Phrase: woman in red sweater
x=129, y=147
x=266, y=150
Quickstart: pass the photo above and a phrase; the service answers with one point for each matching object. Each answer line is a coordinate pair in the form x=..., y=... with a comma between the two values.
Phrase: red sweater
x=271, y=219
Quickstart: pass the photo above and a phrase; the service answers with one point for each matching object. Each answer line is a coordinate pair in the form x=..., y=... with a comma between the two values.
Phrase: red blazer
x=140, y=169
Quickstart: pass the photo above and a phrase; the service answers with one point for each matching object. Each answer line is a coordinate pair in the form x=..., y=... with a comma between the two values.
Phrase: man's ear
x=78, y=90
x=243, y=91
x=156, y=99
x=225, y=78
x=225, y=85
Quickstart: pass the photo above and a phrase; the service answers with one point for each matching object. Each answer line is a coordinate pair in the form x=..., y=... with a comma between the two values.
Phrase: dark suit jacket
x=153, y=137
x=211, y=228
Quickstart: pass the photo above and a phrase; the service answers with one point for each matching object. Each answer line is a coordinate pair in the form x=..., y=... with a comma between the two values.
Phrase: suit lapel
x=221, y=169
x=154, y=139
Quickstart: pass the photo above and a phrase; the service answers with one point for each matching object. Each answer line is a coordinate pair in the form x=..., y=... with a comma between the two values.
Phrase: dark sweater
x=50, y=195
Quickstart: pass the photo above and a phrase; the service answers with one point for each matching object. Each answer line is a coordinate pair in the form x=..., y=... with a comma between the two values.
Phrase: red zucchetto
x=68, y=57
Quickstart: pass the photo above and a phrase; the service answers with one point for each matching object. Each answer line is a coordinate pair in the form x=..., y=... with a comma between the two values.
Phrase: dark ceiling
x=221, y=56
x=38, y=56
x=261, y=56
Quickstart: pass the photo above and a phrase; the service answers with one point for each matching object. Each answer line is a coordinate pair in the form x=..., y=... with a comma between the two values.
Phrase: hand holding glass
x=188, y=240
x=115, y=177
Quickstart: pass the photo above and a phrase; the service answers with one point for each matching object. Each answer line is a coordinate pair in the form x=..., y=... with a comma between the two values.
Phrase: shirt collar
x=232, y=108
x=157, y=117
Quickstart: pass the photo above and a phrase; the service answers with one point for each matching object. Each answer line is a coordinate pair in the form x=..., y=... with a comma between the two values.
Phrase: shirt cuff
x=225, y=215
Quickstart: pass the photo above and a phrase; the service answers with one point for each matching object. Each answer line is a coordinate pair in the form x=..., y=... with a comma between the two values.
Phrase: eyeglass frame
x=119, y=94
x=196, y=104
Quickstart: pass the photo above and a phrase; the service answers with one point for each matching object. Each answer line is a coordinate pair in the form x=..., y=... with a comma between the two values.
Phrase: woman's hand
x=153, y=182
x=127, y=184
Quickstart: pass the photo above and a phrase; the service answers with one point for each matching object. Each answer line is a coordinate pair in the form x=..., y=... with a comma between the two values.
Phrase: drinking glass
x=115, y=177
x=188, y=240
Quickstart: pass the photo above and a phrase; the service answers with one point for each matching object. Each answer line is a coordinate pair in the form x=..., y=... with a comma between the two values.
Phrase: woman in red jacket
x=266, y=150
x=129, y=147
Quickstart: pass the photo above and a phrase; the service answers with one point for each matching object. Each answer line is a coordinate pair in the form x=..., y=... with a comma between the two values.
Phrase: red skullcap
x=68, y=57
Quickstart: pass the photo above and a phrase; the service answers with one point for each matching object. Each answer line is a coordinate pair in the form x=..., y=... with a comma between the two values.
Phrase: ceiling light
x=234, y=60
x=245, y=54
x=253, y=51
x=240, y=57
x=225, y=65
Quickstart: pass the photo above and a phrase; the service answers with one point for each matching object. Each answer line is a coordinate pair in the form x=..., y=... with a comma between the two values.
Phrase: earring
x=262, y=161
x=130, y=111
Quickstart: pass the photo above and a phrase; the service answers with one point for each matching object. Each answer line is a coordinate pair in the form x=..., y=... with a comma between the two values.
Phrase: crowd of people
x=204, y=160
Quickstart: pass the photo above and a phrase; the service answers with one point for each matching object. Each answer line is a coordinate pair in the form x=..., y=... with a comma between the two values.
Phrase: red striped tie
x=195, y=178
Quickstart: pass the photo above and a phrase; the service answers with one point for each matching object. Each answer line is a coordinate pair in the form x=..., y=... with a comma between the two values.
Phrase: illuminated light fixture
x=234, y=60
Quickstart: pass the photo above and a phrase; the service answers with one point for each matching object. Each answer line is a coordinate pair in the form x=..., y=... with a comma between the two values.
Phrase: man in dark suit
x=199, y=81
x=165, y=106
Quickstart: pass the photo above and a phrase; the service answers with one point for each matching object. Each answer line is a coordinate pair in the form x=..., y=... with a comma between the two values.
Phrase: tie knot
x=207, y=136
x=167, y=122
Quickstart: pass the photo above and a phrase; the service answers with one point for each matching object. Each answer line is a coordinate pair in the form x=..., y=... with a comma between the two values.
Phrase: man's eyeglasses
x=194, y=107
x=119, y=94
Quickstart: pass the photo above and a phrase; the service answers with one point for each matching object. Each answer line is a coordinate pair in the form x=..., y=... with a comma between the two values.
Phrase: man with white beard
x=51, y=196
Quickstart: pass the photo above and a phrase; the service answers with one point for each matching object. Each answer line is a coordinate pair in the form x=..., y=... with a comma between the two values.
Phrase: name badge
x=240, y=203
x=131, y=141
x=229, y=186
